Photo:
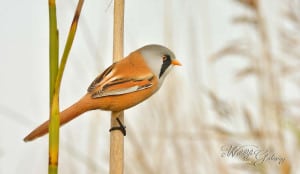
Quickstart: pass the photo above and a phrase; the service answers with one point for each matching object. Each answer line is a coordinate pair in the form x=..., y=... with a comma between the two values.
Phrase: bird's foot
x=121, y=128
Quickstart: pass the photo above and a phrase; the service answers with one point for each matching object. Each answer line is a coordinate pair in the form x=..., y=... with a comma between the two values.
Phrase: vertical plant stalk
x=53, y=47
x=116, y=162
x=55, y=86
x=54, y=115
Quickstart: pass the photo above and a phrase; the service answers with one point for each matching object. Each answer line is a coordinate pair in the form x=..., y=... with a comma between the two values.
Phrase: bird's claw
x=121, y=128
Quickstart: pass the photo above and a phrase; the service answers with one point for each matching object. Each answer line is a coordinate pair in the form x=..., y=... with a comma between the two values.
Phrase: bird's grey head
x=160, y=60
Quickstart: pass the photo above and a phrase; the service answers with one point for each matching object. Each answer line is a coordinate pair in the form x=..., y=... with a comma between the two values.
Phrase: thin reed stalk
x=54, y=110
x=116, y=163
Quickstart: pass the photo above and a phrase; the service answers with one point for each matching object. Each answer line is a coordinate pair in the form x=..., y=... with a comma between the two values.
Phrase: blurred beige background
x=237, y=91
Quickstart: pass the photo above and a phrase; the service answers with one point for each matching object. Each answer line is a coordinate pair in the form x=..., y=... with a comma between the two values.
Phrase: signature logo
x=251, y=154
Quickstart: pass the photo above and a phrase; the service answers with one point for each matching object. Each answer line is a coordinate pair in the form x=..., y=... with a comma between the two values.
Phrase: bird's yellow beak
x=175, y=62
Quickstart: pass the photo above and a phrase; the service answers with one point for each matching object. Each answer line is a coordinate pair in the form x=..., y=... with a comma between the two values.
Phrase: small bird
x=122, y=85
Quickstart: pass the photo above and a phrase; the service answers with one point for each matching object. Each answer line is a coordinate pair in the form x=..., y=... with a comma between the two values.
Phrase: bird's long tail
x=65, y=116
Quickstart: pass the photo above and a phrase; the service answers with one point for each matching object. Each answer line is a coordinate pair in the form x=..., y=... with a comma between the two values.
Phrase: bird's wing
x=122, y=86
x=98, y=80
x=112, y=82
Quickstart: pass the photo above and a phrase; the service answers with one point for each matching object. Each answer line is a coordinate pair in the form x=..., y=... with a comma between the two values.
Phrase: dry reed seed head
x=249, y=70
x=220, y=106
x=252, y=20
x=249, y=3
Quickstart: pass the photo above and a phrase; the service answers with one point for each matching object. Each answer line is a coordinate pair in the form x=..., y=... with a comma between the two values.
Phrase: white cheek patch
x=167, y=71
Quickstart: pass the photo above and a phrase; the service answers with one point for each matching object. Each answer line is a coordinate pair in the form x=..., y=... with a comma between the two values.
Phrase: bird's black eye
x=165, y=58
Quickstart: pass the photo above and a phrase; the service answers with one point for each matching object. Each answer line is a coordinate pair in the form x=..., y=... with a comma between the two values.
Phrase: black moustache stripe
x=166, y=63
